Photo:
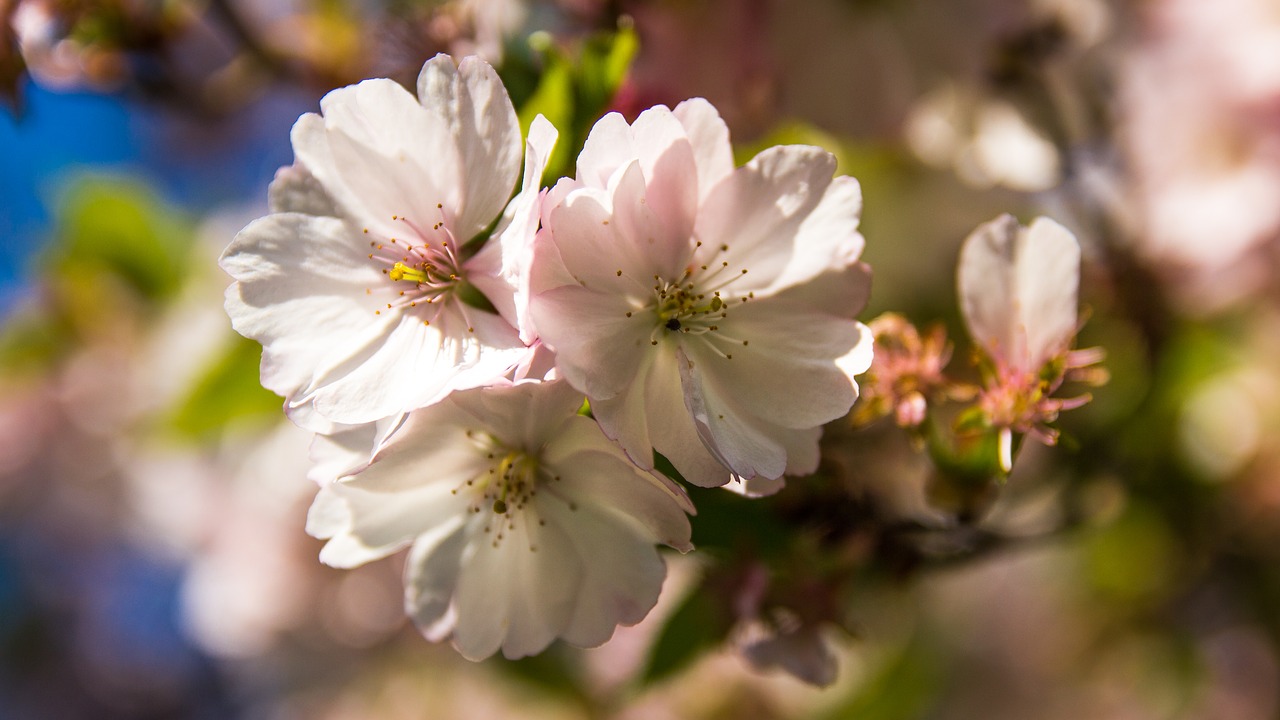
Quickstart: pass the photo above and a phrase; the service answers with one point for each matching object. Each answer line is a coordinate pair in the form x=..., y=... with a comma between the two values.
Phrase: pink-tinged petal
x=625, y=418
x=729, y=433
x=484, y=271
x=525, y=415
x=472, y=103
x=305, y=308
x=842, y=292
x=295, y=190
x=539, y=364
x=780, y=365
x=670, y=178
x=430, y=577
x=414, y=365
x=709, y=137
x=649, y=231
x=828, y=239
x=622, y=571
x=547, y=270
x=375, y=525
x=1018, y=289
x=502, y=268
x=608, y=147
x=610, y=241
x=672, y=427
x=380, y=156
x=758, y=211
x=615, y=488
x=582, y=435
x=598, y=348
x=556, y=195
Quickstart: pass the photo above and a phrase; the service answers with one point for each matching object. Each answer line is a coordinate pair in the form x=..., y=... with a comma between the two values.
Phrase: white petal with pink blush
x=707, y=311
x=526, y=524
x=1018, y=290
x=365, y=286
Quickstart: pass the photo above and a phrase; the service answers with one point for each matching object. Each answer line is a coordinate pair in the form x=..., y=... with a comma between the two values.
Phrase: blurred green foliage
x=228, y=393
x=570, y=87
x=117, y=254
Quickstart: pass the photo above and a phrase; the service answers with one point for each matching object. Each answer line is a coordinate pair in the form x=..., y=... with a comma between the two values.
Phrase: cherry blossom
x=707, y=311
x=364, y=285
x=1018, y=290
x=1018, y=294
x=526, y=523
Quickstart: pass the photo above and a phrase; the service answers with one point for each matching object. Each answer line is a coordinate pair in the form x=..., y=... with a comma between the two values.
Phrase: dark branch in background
x=268, y=59
x=11, y=64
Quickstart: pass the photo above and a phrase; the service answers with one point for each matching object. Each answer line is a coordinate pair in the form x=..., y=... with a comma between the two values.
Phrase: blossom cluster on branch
x=496, y=376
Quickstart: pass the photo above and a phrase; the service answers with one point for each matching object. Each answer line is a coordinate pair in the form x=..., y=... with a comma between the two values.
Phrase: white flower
x=1018, y=290
x=706, y=310
x=526, y=523
x=1018, y=293
x=354, y=284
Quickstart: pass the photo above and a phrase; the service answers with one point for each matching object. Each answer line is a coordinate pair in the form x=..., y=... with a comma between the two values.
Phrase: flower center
x=423, y=264
x=683, y=308
x=693, y=304
x=503, y=492
x=512, y=482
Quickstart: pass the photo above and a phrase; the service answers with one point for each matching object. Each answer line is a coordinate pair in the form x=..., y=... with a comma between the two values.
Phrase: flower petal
x=1018, y=289
x=788, y=372
x=472, y=103
x=608, y=147
x=758, y=211
x=666, y=214
x=502, y=269
x=430, y=578
x=615, y=488
x=282, y=297
x=828, y=238
x=380, y=156
x=622, y=572
x=364, y=526
x=709, y=137
x=597, y=346
x=294, y=189
x=413, y=365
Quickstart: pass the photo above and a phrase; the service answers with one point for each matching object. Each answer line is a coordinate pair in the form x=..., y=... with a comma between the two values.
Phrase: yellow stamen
x=400, y=271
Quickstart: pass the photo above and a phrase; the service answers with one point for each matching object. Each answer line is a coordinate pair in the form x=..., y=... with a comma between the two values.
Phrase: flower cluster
x=491, y=377
x=1018, y=291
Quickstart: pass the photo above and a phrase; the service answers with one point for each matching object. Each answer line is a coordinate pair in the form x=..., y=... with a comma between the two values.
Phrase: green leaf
x=696, y=626
x=605, y=60
x=551, y=671
x=119, y=227
x=574, y=90
x=904, y=687
x=553, y=99
x=31, y=342
x=228, y=392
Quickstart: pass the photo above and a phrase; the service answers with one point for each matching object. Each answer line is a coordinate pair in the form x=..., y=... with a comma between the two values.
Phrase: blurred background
x=153, y=562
